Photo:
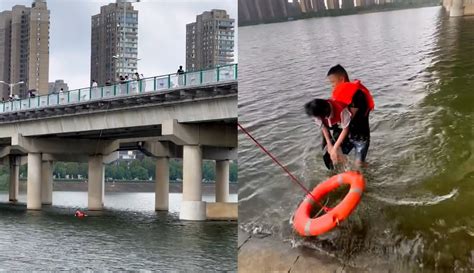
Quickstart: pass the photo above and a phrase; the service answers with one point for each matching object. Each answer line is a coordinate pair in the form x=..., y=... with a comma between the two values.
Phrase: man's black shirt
x=359, y=127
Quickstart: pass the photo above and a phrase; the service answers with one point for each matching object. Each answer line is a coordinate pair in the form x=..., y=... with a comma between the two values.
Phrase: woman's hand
x=334, y=155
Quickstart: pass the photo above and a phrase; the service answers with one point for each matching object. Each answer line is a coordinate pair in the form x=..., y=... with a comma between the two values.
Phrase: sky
x=161, y=34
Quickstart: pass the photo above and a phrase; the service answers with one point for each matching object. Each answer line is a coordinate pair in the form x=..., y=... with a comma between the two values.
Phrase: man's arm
x=345, y=121
x=341, y=138
x=358, y=102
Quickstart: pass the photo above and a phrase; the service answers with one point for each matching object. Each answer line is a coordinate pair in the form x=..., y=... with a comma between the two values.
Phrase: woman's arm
x=327, y=137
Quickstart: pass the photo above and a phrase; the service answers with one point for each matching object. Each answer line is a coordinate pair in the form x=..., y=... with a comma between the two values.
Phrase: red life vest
x=336, y=110
x=346, y=90
x=79, y=214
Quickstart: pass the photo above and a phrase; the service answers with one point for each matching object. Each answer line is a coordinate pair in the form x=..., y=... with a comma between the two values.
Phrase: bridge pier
x=95, y=183
x=192, y=206
x=222, y=181
x=47, y=183
x=457, y=8
x=162, y=183
x=33, y=194
x=14, y=179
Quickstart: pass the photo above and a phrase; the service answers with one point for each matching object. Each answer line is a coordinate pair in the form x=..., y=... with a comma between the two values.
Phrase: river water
x=127, y=236
x=417, y=211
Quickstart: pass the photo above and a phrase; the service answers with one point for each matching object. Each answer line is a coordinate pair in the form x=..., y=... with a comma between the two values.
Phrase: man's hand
x=336, y=156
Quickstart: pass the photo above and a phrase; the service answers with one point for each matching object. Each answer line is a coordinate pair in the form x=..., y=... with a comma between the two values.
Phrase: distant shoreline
x=129, y=186
x=340, y=12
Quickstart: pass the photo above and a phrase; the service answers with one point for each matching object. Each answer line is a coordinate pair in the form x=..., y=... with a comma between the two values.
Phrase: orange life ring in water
x=307, y=226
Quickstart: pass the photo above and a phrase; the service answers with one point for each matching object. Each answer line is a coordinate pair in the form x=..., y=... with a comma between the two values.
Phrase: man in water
x=359, y=102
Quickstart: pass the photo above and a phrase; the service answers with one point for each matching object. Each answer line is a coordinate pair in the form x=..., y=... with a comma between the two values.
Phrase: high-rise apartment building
x=55, y=87
x=114, y=42
x=210, y=40
x=24, y=49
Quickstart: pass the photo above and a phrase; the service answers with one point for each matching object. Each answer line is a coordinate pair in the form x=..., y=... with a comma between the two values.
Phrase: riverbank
x=260, y=253
x=175, y=187
x=268, y=254
x=342, y=12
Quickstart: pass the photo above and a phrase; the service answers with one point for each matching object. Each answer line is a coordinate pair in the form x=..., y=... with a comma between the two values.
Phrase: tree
x=59, y=169
x=139, y=173
x=150, y=165
x=209, y=170
x=176, y=169
x=83, y=169
x=72, y=169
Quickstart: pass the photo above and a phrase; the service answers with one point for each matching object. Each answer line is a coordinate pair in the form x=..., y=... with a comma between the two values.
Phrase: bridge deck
x=150, y=98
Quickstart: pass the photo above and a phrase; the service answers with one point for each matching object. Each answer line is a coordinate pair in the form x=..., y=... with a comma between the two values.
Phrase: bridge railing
x=131, y=87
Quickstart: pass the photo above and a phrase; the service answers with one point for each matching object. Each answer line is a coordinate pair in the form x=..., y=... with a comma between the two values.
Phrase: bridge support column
x=33, y=194
x=457, y=8
x=192, y=206
x=162, y=183
x=222, y=181
x=447, y=5
x=14, y=179
x=96, y=183
x=47, y=183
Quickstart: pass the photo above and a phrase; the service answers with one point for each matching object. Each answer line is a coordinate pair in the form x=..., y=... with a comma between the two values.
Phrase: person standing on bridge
x=180, y=73
x=180, y=70
x=143, y=81
x=94, y=89
x=122, y=84
x=136, y=83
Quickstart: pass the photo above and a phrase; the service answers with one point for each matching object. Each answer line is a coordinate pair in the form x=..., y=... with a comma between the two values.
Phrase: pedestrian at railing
x=94, y=90
x=143, y=83
x=136, y=83
x=180, y=73
x=32, y=93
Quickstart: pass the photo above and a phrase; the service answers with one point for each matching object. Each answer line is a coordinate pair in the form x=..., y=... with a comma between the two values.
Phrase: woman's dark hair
x=318, y=108
x=339, y=71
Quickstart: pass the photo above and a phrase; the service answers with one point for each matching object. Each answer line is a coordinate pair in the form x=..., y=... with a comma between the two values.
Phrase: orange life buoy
x=307, y=226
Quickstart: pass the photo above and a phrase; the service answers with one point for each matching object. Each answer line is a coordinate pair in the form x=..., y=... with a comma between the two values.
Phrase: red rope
x=281, y=165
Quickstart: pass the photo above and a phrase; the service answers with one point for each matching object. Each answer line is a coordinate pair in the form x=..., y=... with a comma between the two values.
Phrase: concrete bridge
x=457, y=8
x=191, y=116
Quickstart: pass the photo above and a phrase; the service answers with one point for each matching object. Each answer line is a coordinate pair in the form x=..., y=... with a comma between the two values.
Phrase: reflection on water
x=128, y=235
x=419, y=65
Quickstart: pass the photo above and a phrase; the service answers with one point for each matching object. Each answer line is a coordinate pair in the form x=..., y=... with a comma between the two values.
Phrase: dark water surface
x=418, y=209
x=129, y=235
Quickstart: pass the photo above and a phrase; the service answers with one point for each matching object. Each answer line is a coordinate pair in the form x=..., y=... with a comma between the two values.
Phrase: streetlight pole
x=11, y=85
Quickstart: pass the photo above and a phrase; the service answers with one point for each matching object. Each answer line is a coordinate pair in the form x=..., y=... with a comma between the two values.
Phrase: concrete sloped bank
x=270, y=254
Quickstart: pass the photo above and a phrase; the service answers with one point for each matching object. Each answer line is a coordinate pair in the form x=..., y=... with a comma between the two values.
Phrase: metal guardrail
x=131, y=87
